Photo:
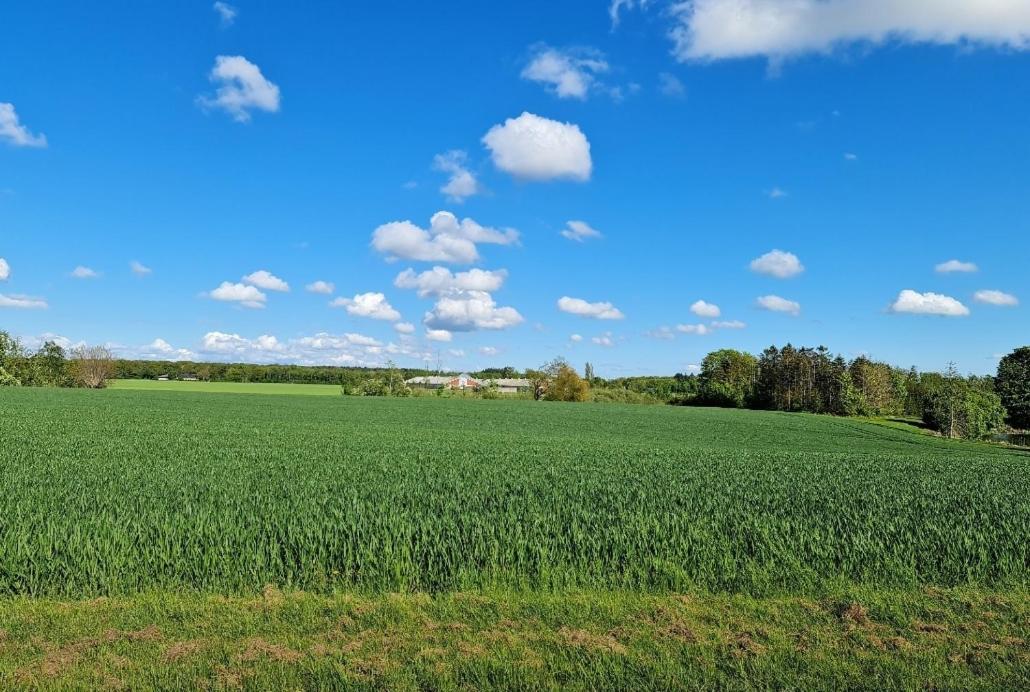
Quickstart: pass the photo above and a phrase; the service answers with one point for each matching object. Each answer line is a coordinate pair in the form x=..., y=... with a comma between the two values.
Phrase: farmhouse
x=465, y=381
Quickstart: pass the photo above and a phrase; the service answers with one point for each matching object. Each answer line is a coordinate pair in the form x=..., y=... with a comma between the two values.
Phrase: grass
x=844, y=638
x=227, y=387
x=440, y=543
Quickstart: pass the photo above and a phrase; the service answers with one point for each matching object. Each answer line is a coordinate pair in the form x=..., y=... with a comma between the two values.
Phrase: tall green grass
x=121, y=491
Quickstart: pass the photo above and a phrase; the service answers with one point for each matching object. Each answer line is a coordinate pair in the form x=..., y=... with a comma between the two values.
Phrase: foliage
x=564, y=383
x=963, y=407
x=92, y=366
x=129, y=491
x=728, y=378
x=1013, y=385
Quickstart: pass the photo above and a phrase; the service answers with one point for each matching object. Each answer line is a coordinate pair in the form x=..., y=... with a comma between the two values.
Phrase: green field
x=169, y=504
x=227, y=387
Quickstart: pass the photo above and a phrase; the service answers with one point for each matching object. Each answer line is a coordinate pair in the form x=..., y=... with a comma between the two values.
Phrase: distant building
x=188, y=377
x=465, y=381
x=162, y=378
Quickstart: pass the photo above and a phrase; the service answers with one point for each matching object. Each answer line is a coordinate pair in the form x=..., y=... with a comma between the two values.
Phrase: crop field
x=227, y=387
x=124, y=494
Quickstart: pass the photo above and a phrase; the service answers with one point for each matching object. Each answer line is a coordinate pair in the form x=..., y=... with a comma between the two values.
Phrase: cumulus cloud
x=489, y=351
x=616, y=7
x=461, y=183
x=139, y=269
x=159, y=349
x=323, y=287
x=731, y=324
x=999, y=298
x=21, y=302
x=670, y=85
x=266, y=280
x=446, y=240
x=777, y=304
x=702, y=308
x=569, y=73
x=915, y=303
x=81, y=272
x=576, y=338
x=441, y=335
x=533, y=148
x=371, y=305
x=698, y=329
x=440, y=280
x=600, y=311
x=777, y=263
x=605, y=340
x=242, y=88
x=464, y=311
x=14, y=133
x=319, y=349
x=5, y=270
x=720, y=29
x=956, y=266
x=247, y=296
x=580, y=231
x=404, y=328
x=226, y=12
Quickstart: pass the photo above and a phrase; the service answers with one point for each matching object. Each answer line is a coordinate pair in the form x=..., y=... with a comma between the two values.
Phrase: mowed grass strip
x=118, y=492
x=849, y=638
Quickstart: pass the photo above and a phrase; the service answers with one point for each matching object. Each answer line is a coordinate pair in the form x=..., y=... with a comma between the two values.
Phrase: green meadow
x=181, y=534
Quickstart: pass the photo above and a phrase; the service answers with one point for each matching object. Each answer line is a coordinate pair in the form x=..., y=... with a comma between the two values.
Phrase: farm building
x=465, y=381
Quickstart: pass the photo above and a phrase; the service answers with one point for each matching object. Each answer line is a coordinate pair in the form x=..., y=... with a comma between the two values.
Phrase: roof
x=430, y=379
x=511, y=382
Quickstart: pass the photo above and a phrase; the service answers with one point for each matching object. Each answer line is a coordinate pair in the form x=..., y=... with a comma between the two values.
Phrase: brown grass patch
x=744, y=645
x=853, y=614
x=180, y=650
x=929, y=627
x=149, y=633
x=257, y=648
x=595, y=642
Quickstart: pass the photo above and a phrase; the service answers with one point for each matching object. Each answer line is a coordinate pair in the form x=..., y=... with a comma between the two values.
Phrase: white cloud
x=575, y=338
x=670, y=85
x=489, y=351
x=371, y=305
x=664, y=333
x=14, y=133
x=463, y=311
x=81, y=272
x=915, y=303
x=404, y=328
x=266, y=280
x=779, y=264
x=22, y=302
x=139, y=269
x=698, y=329
x=570, y=73
x=953, y=266
x=600, y=311
x=446, y=240
x=462, y=183
x=605, y=340
x=247, y=296
x=720, y=29
x=242, y=88
x=5, y=270
x=533, y=148
x=159, y=349
x=440, y=280
x=439, y=335
x=704, y=309
x=731, y=324
x=616, y=7
x=848, y=156
x=999, y=298
x=226, y=12
x=456, y=352
x=323, y=287
x=776, y=193
x=580, y=231
x=777, y=304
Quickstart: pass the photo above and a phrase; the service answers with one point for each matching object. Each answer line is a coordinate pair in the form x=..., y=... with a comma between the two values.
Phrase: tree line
x=52, y=366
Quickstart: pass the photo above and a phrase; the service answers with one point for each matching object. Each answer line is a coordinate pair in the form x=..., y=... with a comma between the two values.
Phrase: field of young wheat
x=121, y=492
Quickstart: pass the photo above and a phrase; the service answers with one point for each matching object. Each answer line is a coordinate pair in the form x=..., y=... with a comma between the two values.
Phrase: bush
x=1013, y=385
x=963, y=408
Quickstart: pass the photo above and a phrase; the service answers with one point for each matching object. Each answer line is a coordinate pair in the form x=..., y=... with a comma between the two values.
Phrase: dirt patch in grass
x=183, y=649
x=604, y=643
x=256, y=647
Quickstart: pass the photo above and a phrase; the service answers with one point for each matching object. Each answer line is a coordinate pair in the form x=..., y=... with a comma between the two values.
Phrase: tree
x=588, y=373
x=12, y=358
x=92, y=366
x=567, y=385
x=1013, y=386
x=50, y=367
x=962, y=407
x=728, y=378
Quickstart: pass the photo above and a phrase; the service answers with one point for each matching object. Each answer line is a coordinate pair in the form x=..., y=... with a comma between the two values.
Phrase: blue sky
x=869, y=143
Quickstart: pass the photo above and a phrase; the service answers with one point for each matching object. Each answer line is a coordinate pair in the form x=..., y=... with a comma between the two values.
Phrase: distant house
x=464, y=381
x=188, y=377
x=511, y=385
x=162, y=378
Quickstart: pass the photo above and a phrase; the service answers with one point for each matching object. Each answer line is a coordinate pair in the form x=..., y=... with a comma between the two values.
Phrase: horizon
x=626, y=184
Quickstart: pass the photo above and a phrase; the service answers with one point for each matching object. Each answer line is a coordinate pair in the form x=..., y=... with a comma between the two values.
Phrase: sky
x=632, y=183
